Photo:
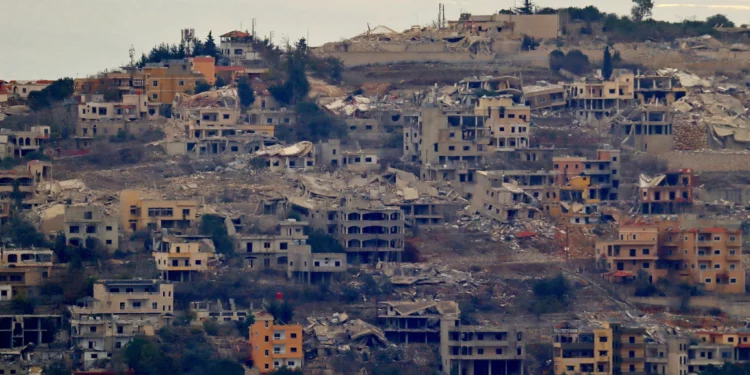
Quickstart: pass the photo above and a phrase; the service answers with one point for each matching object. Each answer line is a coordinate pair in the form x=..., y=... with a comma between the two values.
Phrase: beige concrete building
x=544, y=95
x=24, y=88
x=237, y=46
x=84, y=221
x=646, y=128
x=217, y=311
x=28, y=141
x=297, y=157
x=415, y=322
x=691, y=250
x=333, y=153
x=24, y=271
x=214, y=113
x=18, y=331
x=539, y=26
x=137, y=213
x=131, y=107
x=183, y=258
x=596, y=100
x=510, y=195
x=288, y=250
x=118, y=311
x=480, y=350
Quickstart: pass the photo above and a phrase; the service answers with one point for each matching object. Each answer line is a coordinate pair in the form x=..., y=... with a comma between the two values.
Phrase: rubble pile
x=340, y=334
x=721, y=116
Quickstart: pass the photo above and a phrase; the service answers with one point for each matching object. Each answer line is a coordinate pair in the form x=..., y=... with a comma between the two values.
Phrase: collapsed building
x=596, y=99
x=217, y=311
x=669, y=193
x=415, y=322
x=182, y=258
x=297, y=157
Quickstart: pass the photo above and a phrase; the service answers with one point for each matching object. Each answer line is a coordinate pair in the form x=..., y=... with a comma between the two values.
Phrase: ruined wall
x=352, y=59
x=708, y=161
x=739, y=194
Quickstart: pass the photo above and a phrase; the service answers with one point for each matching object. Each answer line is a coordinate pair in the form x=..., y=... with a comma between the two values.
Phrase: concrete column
x=490, y=362
x=506, y=367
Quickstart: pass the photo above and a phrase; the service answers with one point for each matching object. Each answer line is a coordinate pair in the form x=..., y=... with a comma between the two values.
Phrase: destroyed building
x=182, y=258
x=669, y=193
x=24, y=271
x=646, y=128
x=601, y=176
x=500, y=195
x=544, y=96
x=131, y=107
x=690, y=250
x=217, y=311
x=19, y=331
x=596, y=99
x=480, y=350
x=655, y=88
x=208, y=114
x=289, y=250
x=415, y=322
x=297, y=157
x=369, y=230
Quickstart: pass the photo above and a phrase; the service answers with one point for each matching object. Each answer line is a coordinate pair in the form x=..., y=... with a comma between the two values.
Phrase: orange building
x=205, y=65
x=273, y=346
x=697, y=251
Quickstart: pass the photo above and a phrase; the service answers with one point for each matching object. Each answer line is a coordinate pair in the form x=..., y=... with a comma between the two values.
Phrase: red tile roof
x=236, y=34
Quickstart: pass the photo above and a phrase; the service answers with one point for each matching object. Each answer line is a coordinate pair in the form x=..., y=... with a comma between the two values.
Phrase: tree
x=61, y=248
x=283, y=370
x=209, y=48
x=213, y=225
x=219, y=82
x=322, y=242
x=297, y=85
x=719, y=20
x=312, y=124
x=607, y=64
x=526, y=8
x=282, y=312
x=56, y=368
x=145, y=357
x=641, y=10
x=245, y=91
x=202, y=86
x=225, y=367
x=556, y=59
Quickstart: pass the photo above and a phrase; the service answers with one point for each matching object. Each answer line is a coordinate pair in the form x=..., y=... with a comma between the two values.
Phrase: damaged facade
x=89, y=221
x=297, y=157
x=137, y=213
x=415, y=322
x=691, y=250
x=596, y=99
x=670, y=193
x=182, y=258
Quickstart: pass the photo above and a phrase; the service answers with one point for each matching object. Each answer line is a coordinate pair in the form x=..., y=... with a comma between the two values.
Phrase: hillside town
x=549, y=191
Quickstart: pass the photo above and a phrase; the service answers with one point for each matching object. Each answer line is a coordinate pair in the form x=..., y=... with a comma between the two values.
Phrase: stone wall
x=708, y=161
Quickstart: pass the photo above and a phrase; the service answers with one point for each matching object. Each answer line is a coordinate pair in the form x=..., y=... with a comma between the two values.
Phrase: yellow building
x=205, y=65
x=601, y=100
x=164, y=80
x=182, y=257
x=137, y=213
x=273, y=345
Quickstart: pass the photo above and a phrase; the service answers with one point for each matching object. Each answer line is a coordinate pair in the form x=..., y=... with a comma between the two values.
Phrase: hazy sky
x=55, y=38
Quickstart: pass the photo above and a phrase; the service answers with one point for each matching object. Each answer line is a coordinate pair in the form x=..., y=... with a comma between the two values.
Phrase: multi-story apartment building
x=214, y=113
x=84, y=221
x=275, y=345
x=333, y=153
x=289, y=250
x=182, y=258
x=24, y=88
x=738, y=339
x=21, y=143
x=19, y=331
x=646, y=128
x=593, y=100
x=118, y=311
x=297, y=157
x=166, y=79
x=613, y=349
x=603, y=173
x=509, y=195
x=544, y=95
x=415, y=322
x=132, y=107
x=658, y=89
x=475, y=350
x=368, y=230
x=670, y=193
x=137, y=213
x=697, y=251
x=24, y=271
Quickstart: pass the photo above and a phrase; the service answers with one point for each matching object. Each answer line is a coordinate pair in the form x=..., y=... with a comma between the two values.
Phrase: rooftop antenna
x=253, y=28
x=132, y=56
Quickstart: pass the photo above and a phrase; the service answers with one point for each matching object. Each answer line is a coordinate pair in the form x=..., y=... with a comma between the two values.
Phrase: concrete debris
x=337, y=331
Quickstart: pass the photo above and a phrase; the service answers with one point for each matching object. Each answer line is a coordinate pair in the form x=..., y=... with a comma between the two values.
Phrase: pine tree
x=209, y=48
x=219, y=82
x=527, y=7
x=607, y=64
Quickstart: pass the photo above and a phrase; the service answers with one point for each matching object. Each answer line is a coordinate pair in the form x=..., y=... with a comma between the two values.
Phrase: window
x=646, y=265
x=293, y=335
x=198, y=262
x=75, y=229
x=293, y=350
x=708, y=281
x=480, y=351
x=154, y=306
x=498, y=351
x=717, y=238
x=631, y=340
x=451, y=148
x=155, y=83
x=109, y=228
x=603, y=339
x=733, y=281
x=118, y=345
x=283, y=246
x=717, y=252
x=602, y=353
x=88, y=215
x=266, y=245
x=108, y=242
x=181, y=83
x=226, y=116
x=717, y=266
x=122, y=305
x=92, y=329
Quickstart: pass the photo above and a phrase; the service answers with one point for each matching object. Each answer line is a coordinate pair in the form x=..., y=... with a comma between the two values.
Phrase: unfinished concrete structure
x=135, y=106
x=24, y=271
x=182, y=258
x=653, y=88
x=208, y=114
x=480, y=350
x=415, y=322
x=670, y=193
x=601, y=173
x=18, y=331
x=544, y=95
x=502, y=195
x=85, y=221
